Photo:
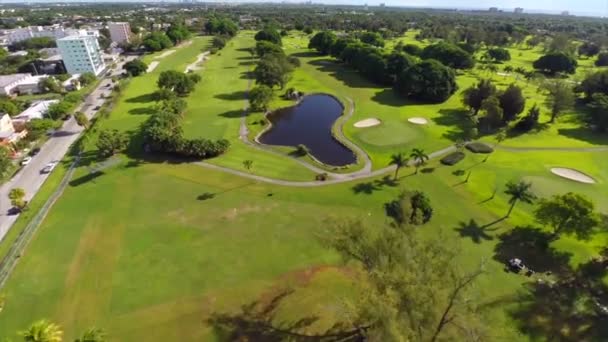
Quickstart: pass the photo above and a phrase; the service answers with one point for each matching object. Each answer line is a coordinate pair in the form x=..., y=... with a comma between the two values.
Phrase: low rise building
x=36, y=111
x=9, y=133
x=8, y=83
x=120, y=32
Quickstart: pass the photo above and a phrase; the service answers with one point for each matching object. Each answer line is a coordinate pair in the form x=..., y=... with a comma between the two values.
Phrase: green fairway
x=149, y=250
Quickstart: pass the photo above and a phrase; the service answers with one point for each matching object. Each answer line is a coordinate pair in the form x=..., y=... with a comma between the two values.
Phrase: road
x=29, y=177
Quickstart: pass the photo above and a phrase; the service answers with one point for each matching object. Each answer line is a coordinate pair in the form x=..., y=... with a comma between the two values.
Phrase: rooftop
x=35, y=111
x=9, y=79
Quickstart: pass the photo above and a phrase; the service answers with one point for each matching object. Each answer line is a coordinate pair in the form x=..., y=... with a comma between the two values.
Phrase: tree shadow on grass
x=146, y=98
x=457, y=120
x=474, y=231
x=257, y=321
x=306, y=54
x=584, y=134
x=247, y=75
x=237, y=95
x=247, y=63
x=532, y=246
x=349, y=77
x=205, y=196
x=233, y=114
x=86, y=178
x=370, y=187
x=142, y=111
x=390, y=98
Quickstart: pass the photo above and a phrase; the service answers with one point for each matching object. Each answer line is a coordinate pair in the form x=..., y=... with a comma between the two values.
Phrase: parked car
x=26, y=160
x=49, y=167
x=35, y=151
x=13, y=211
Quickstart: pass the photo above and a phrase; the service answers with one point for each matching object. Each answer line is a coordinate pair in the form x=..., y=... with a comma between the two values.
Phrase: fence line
x=7, y=265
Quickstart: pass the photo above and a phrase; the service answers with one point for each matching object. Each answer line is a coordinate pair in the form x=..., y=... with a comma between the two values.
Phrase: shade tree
x=519, y=192
x=269, y=34
x=449, y=54
x=499, y=54
x=555, y=62
x=110, y=142
x=569, y=214
x=135, y=67
x=560, y=97
x=259, y=97
x=512, y=102
x=323, y=42
x=474, y=96
x=428, y=81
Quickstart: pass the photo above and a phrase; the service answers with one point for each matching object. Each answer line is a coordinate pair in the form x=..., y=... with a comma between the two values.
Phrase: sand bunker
x=199, y=59
x=367, y=123
x=572, y=174
x=418, y=121
x=164, y=54
x=152, y=66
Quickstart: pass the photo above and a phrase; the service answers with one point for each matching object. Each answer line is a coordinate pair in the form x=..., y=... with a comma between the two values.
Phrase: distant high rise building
x=565, y=13
x=81, y=54
x=382, y=4
x=519, y=10
x=120, y=32
x=493, y=9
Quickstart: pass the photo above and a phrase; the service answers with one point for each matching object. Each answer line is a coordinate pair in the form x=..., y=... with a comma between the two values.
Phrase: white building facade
x=120, y=32
x=81, y=54
x=56, y=32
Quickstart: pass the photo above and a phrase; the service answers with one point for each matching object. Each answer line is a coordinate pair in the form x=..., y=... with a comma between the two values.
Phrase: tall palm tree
x=399, y=160
x=419, y=157
x=520, y=191
x=92, y=335
x=43, y=331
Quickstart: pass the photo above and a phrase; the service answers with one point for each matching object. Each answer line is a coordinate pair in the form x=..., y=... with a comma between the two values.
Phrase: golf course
x=151, y=247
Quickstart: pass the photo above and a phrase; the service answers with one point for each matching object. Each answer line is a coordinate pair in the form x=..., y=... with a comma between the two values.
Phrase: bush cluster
x=479, y=147
x=452, y=158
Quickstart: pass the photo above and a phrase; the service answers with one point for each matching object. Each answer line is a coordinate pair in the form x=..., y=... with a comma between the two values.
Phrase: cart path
x=562, y=149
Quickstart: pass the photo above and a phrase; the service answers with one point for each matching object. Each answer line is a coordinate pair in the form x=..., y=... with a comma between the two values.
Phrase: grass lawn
x=149, y=251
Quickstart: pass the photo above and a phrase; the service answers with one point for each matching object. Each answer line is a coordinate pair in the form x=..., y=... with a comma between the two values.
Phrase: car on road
x=97, y=108
x=26, y=160
x=49, y=167
x=35, y=151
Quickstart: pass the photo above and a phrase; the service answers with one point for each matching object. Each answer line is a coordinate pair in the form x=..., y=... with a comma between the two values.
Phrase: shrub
x=321, y=177
x=452, y=158
x=479, y=147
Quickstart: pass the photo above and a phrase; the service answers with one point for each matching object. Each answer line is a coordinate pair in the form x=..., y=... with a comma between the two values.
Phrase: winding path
x=562, y=149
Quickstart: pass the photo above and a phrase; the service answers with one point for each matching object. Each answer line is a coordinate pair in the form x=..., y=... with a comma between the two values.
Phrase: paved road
x=29, y=177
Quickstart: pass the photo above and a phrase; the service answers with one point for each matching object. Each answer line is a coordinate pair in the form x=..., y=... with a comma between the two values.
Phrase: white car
x=26, y=160
x=49, y=167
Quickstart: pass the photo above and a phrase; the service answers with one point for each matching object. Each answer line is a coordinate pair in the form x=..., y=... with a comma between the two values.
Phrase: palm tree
x=248, y=164
x=43, y=331
x=399, y=160
x=419, y=157
x=519, y=191
x=92, y=335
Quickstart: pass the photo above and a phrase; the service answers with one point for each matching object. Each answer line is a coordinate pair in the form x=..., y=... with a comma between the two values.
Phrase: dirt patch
x=367, y=123
x=572, y=174
x=152, y=66
x=234, y=213
x=199, y=60
x=418, y=121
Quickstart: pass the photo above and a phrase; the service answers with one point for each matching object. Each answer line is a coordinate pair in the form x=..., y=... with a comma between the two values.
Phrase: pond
x=310, y=123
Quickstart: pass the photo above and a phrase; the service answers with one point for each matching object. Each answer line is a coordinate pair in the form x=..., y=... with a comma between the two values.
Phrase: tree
x=322, y=42
x=5, y=161
x=396, y=63
x=560, y=97
x=92, y=335
x=413, y=289
x=570, y=214
x=221, y=26
x=81, y=119
x=87, y=78
x=59, y=110
x=555, y=62
x=428, y=81
x=449, y=54
x=49, y=84
x=412, y=49
x=602, y=59
x=9, y=107
x=512, y=102
x=182, y=84
x=174, y=106
x=248, y=164
x=43, y=331
x=596, y=82
x=474, y=96
x=273, y=70
x=599, y=111
x=529, y=121
x=264, y=47
x=372, y=38
x=588, y=49
x=399, y=160
x=419, y=157
x=520, y=191
x=219, y=42
x=178, y=33
x=499, y=54
x=493, y=113
x=157, y=41
x=17, y=197
x=110, y=142
x=561, y=43
x=260, y=97
x=135, y=67
x=269, y=34
x=421, y=207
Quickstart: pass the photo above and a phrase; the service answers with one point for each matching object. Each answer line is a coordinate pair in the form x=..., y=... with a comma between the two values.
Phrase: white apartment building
x=55, y=31
x=81, y=54
x=120, y=32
